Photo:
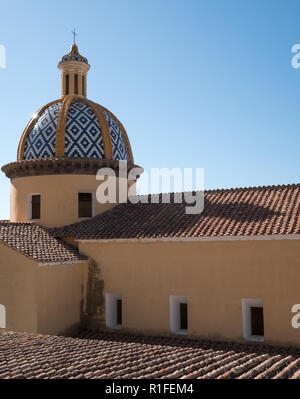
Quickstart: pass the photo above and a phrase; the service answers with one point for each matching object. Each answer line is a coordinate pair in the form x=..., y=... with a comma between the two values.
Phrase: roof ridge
x=232, y=189
x=273, y=186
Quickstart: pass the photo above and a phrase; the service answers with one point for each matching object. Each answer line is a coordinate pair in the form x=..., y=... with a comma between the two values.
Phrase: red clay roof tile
x=255, y=211
x=35, y=242
x=116, y=355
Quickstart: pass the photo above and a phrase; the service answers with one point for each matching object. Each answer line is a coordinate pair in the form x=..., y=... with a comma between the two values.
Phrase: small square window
x=257, y=320
x=35, y=207
x=85, y=205
x=113, y=311
x=253, y=319
x=178, y=314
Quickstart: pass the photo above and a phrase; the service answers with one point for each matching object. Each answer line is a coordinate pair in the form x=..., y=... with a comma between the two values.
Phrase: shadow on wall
x=2, y=316
x=93, y=311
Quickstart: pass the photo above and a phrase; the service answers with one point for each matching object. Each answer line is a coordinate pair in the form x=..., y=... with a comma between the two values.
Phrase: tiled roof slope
x=36, y=243
x=118, y=356
x=254, y=211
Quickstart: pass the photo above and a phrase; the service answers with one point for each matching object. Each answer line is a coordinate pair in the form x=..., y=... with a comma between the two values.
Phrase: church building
x=68, y=261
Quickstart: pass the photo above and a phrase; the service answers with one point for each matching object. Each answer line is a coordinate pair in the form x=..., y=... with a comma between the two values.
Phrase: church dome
x=74, y=127
x=72, y=150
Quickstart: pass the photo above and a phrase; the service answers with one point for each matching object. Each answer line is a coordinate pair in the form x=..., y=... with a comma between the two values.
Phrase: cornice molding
x=59, y=166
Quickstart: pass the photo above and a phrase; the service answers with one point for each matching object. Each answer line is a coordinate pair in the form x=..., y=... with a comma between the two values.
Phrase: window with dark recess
x=35, y=207
x=119, y=311
x=183, y=316
x=257, y=320
x=67, y=84
x=76, y=83
x=83, y=86
x=85, y=205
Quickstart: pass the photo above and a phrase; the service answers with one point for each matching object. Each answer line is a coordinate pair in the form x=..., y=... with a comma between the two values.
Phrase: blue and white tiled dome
x=40, y=142
x=76, y=128
x=83, y=133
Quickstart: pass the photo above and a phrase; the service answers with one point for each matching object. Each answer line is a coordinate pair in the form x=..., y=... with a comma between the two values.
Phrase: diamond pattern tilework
x=83, y=133
x=41, y=140
x=117, y=138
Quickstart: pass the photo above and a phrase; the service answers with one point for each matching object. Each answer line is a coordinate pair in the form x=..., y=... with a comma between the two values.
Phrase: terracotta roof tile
x=116, y=355
x=233, y=212
x=35, y=242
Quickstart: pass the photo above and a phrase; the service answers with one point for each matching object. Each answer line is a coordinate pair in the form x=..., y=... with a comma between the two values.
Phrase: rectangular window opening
x=76, y=83
x=113, y=311
x=35, y=206
x=85, y=205
x=253, y=319
x=257, y=320
x=178, y=315
x=83, y=86
x=183, y=316
x=119, y=311
x=67, y=84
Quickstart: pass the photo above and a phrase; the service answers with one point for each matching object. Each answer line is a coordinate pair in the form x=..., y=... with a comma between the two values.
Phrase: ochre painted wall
x=59, y=197
x=214, y=276
x=60, y=297
x=18, y=290
x=41, y=299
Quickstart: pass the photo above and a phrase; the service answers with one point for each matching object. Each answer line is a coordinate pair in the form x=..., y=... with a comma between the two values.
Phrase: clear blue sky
x=197, y=83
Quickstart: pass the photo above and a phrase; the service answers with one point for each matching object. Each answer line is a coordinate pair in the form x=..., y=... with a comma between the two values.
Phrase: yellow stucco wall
x=59, y=197
x=18, y=290
x=60, y=297
x=214, y=276
x=40, y=299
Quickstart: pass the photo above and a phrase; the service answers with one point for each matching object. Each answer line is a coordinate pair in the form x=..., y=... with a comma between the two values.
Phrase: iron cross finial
x=74, y=35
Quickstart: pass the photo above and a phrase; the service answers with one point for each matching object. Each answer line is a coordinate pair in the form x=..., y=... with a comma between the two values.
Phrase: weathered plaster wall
x=42, y=299
x=94, y=309
x=214, y=276
x=61, y=292
x=18, y=290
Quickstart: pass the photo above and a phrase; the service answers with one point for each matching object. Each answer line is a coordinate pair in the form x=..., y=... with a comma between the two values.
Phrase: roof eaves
x=64, y=263
x=194, y=239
